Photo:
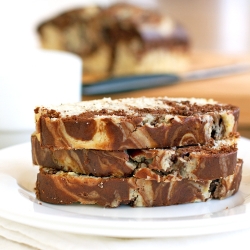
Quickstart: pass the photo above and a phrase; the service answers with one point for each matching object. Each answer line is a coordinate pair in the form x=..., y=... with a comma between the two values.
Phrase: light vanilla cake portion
x=120, y=39
x=134, y=123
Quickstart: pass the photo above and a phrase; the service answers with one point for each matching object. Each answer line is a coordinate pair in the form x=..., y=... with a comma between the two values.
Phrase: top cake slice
x=132, y=123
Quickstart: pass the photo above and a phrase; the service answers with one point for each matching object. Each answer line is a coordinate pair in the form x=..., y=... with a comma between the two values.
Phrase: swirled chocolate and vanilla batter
x=137, y=151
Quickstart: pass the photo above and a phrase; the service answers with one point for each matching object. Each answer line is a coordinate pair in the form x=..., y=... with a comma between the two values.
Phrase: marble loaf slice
x=134, y=123
x=58, y=187
x=215, y=160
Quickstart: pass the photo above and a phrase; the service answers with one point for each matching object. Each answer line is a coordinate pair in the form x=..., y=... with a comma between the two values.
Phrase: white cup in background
x=31, y=78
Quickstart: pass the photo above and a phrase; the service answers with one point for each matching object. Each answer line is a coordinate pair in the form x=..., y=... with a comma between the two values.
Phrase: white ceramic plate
x=18, y=203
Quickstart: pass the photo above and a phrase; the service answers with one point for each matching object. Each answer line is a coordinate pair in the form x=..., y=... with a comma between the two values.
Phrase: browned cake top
x=69, y=17
x=130, y=107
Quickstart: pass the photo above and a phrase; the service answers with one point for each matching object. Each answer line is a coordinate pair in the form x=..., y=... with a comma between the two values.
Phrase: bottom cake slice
x=58, y=187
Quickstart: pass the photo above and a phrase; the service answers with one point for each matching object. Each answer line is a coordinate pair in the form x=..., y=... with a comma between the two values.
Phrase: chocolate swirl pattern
x=173, y=122
x=193, y=162
x=67, y=188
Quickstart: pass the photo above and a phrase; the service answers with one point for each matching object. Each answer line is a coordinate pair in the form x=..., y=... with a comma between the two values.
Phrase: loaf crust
x=68, y=188
x=134, y=123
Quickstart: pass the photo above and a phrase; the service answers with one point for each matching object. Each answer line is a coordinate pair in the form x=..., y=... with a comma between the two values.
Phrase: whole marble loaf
x=120, y=39
x=137, y=151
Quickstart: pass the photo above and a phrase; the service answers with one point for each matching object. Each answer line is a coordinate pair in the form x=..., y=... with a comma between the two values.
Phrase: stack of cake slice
x=137, y=151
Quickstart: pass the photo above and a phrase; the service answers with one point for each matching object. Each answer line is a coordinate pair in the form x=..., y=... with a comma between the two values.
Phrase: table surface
x=233, y=89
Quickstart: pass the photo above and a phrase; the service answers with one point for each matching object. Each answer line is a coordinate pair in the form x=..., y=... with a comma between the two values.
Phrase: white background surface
x=36, y=77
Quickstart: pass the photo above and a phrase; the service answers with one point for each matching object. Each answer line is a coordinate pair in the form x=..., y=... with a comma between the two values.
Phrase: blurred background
x=218, y=25
x=215, y=27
